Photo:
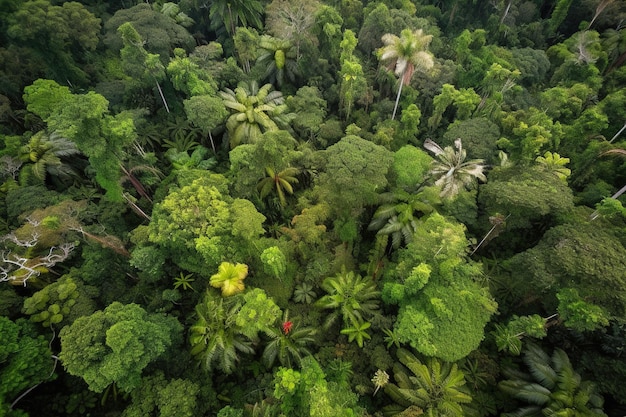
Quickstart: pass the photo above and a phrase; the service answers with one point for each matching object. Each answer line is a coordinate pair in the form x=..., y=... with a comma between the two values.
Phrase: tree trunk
x=395, y=108
x=162, y=96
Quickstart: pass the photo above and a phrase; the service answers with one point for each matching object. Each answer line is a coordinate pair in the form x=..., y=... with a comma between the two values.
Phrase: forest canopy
x=292, y=208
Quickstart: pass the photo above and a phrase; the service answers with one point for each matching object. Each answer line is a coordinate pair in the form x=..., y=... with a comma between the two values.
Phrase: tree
x=399, y=216
x=407, y=54
x=198, y=224
x=85, y=120
x=228, y=325
x=287, y=343
x=531, y=195
x=292, y=21
x=115, y=345
x=141, y=66
x=352, y=297
x=163, y=32
x=229, y=278
x=434, y=387
x=451, y=171
x=45, y=154
x=25, y=362
x=167, y=398
x=354, y=173
x=278, y=182
x=254, y=111
x=207, y=112
x=551, y=388
x=278, y=57
x=230, y=14
x=57, y=37
x=578, y=256
x=443, y=309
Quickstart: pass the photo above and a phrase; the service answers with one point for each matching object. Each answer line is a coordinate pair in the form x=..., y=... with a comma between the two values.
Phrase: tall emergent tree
x=406, y=54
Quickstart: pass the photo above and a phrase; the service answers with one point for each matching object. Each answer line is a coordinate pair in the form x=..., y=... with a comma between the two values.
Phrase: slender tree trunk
x=618, y=133
x=621, y=191
x=395, y=108
x=212, y=143
x=506, y=11
x=162, y=96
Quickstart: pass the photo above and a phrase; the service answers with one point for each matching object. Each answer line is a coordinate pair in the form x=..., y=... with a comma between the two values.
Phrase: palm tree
x=398, y=216
x=215, y=337
x=231, y=13
x=451, y=171
x=551, y=388
x=278, y=56
x=254, y=111
x=357, y=331
x=280, y=182
x=350, y=296
x=288, y=344
x=434, y=387
x=406, y=54
x=45, y=153
x=229, y=278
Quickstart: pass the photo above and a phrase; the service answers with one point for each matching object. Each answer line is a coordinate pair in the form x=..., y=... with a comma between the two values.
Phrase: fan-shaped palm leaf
x=451, y=171
x=254, y=111
x=230, y=278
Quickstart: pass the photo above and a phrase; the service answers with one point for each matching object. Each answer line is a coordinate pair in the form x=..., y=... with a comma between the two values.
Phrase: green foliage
x=84, y=119
x=352, y=297
x=149, y=260
x=304, y=293
x=583, y=257
x=288, y=343
x=442, y=308
x=274, y=261
x=226, y=326
x=25, y=360
x=357, y=331
x=406, y=54
x=310, y=109
x=229, y=278
x=530, y=195
x=167, y=398
x=410, y=166
x=555, y=163
x=437, y=388
x=194, y=223
x=479, y=136
x=509, y=338
x=116, y=344
x=309, y=393
x=451, y=171
x=278, y=182
x=184, y=281
x=355, y=173
x=253, y=111
x=60, y=302
x=552, y=387
x=465, y=100
x=578, y=314
x=162, y=31
x=187, y=76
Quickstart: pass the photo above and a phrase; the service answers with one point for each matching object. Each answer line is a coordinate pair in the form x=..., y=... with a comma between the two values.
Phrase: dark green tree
x=434, y=387
x=113, y=346
x=550, y=387
x=25, y=362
